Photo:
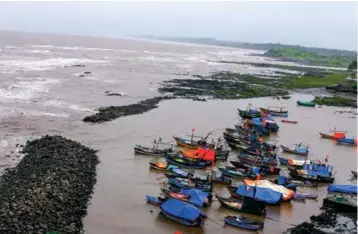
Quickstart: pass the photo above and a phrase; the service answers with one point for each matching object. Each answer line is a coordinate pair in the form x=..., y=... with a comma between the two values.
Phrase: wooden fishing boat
x=233, y=145
x=244, y=223
x=181, y=142
x=264, y=195
x=289, y=121
x=354, y=173
x=257, y=160
x=182, y=213
x=242, y=131
x=347, y=141
x=275, y=111
x=262, y=169
x=251, y=206
x=192, y=175
x=217, y=177
x=188, y=184
x=298, y=176
x=304, y=196
x=185, y=162
x=299, y=150
x=221, y=154
x=249, y=114
x=153, y=200
x=302, y=103
x=156, y=167
x=326, y=136
x=341, y=203
x=138, y=149
x=192, y=196
x=234, y=173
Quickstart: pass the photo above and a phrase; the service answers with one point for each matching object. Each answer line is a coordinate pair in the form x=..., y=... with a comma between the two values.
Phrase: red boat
x=289, y=121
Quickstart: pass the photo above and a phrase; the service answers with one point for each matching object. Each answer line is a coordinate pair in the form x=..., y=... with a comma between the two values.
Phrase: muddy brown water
x=39, y=95
x=118, y=204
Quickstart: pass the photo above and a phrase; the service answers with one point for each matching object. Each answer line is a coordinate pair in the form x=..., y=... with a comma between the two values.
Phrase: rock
x=33, y=196
x=113, y=94
x=76, y=65
x=114, y=112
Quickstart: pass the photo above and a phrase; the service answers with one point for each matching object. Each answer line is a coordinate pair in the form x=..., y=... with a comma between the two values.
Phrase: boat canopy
x=180, y=172
x=180, y=209
x=343, y=188
x=196, y=197
x=302, y=149
x=286, y=193
x=263, y=194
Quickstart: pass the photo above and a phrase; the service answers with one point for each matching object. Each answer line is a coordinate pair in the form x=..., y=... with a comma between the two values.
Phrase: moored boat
x=247, y=205
x=299, y=149
x=182, y=213
x=244, y=223
x=185, y=162
x=348, y=141
x=188, y=184
x=265, y=195
x=217, y=177
x=354, y=173
x=341, y=203
x=289, y=121
x=302, y=103
x=275, y=111
x=343, y=188
x=154, y=151
x=249, y=113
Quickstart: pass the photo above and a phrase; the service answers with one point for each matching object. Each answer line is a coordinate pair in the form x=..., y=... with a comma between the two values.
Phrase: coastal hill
x=296, y=53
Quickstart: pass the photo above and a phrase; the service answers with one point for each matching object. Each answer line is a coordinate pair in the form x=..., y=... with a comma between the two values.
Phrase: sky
x=317, y=24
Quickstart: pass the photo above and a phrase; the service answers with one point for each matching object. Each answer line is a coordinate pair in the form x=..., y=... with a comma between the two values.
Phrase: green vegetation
x=352, y=65
x=335, y=101
x=306, y=82
x=301, y=55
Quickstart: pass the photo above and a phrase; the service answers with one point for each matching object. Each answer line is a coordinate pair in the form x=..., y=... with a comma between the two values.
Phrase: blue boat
x=183, y=213
x=241, y=222
x=347, y=141
x=299, y=149
x=153, y=200
x=266, y=195
x=186, y=184
x=267, y=123
x=184, y=162
x=343, y=188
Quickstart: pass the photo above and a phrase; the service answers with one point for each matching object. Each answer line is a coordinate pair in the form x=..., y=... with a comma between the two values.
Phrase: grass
x=313, y=58
x=335, y=101
x=318, y=82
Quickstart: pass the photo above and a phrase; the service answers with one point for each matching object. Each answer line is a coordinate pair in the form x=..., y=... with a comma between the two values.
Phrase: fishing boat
x=287, y=194
x=188, y=184
x=326, y=136
x=154, y=151
x=348, y=141
x=265, y=195
x=264, y=123
x=153, y=200
x=249, y=113
x=275, y=111
x=247, y=205
x=257, y=160
x=193, y=143
x=235, y=173
x=244, y=131
x=185, y=162
x=233, y=146
x=161, y=164
x=304, y=196
x=299, y=149
x=289, y=121
x=195, y=197
x=335, y=136
x=341, y=203
x=261, y=169
x=284, y=181
x=193, y=175
x=354, y=173
x=343, y=188
x=244, y=223
x=217, y=177
x=182, y=213
x=308, y=175
x=302, y=103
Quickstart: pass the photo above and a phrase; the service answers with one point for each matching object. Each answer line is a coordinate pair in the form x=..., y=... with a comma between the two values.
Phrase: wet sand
x=118, y=204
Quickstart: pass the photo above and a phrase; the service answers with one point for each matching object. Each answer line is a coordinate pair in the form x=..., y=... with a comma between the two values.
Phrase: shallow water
x=38, y=95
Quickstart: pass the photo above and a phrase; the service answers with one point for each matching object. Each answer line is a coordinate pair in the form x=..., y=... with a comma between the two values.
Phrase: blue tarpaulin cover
x=263, y=194
x=180, y=209
x=343, y=188
x=347, y=140
x=196, y=197
x=302, y=149
x=281, y=180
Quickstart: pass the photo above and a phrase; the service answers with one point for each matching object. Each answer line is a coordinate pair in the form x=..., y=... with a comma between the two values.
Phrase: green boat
x=341, y=203
x=301, y=103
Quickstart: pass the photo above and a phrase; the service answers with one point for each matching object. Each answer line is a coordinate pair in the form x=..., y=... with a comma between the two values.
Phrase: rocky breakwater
x=328, y=222
x=113, y=112
x=48, y=191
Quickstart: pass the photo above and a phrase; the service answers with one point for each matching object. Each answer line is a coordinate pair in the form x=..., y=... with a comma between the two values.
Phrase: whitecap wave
x=71, y=48
x=65, y=105
x=43, y=65
x=26, y=88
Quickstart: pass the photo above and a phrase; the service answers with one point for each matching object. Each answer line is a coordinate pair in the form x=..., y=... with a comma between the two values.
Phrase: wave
x=27, y=88
x=44, y=64
x=71, y=48
x=65, y=105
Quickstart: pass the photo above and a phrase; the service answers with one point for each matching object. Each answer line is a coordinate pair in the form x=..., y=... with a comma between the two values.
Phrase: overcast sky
x=321, y=24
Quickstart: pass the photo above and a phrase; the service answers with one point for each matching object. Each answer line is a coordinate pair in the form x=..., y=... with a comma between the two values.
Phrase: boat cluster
x=195, y=165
